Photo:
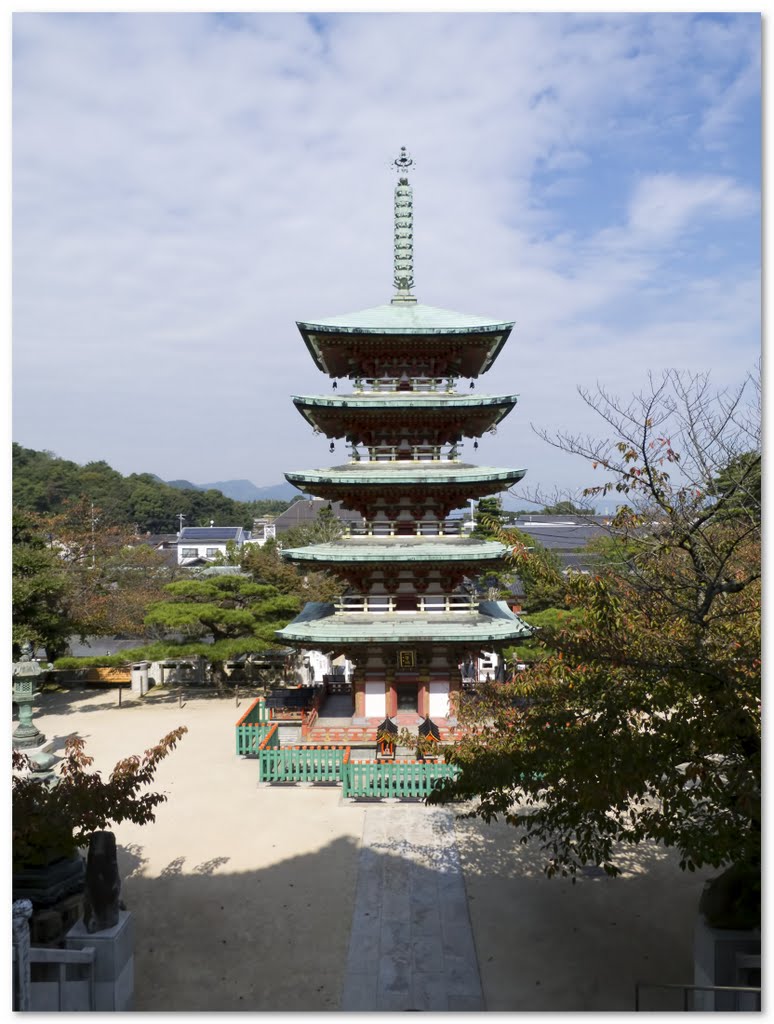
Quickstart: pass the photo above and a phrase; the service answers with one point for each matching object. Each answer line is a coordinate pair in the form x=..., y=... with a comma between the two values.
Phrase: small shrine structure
x=403, y=618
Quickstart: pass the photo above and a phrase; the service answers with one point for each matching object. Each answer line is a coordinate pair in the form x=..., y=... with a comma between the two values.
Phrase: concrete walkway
x=262, y=899
x=411, y=945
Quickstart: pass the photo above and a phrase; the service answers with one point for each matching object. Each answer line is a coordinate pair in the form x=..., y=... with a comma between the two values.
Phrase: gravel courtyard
x=244, y=897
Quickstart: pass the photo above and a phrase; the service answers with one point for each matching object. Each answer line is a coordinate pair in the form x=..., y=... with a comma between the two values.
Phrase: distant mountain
x=242, y=490
x=181, y=485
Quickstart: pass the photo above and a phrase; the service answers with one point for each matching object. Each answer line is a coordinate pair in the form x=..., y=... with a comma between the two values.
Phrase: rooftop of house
x=305, y=511
x=217, y=534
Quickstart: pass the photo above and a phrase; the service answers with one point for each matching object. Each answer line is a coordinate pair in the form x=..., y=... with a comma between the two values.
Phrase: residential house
x=198, y=545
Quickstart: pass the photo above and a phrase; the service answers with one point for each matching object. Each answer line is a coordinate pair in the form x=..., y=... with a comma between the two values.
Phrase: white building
x=197, y=545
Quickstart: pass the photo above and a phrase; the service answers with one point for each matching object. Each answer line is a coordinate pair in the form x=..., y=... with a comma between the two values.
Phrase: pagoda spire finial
x=404, y=231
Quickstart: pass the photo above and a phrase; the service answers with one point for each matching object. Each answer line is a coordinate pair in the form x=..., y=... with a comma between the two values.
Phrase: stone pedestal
x=715, y=952
x=114, y=964
x=140, y=674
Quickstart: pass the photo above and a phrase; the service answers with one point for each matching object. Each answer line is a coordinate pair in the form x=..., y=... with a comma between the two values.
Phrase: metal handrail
x=686, y=989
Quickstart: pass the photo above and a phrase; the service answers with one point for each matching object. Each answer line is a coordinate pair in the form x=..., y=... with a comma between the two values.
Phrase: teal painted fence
x=252, y=728
x=393, y=780
x=300, y=764
x=397, y=780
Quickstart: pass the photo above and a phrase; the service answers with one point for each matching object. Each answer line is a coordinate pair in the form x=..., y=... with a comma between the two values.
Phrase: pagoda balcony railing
x=411, y=453
x=385, y=604
x=406, y=527
x=446, y=385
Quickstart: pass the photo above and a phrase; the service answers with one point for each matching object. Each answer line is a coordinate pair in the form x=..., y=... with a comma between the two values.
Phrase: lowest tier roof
x=319, y=624
x=407, y=473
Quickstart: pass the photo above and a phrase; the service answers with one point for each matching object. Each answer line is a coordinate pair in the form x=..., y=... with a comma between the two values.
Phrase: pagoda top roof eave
x=405, y=318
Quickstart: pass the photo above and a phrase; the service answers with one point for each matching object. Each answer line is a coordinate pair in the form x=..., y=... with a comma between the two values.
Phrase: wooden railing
x=302, y=764
x=432, y=384
x=387, y=603
x=310, y=716
x=412, y=453
x=396, y=527
x=252, y=728
x=394, y=780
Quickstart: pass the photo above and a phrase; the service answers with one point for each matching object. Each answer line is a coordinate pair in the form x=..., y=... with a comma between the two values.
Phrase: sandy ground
x=243, y=896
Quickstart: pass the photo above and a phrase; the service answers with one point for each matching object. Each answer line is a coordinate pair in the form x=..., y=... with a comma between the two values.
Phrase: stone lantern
x=25, y=672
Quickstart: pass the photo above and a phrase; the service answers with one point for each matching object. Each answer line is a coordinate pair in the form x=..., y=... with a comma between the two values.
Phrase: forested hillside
x=44, y=483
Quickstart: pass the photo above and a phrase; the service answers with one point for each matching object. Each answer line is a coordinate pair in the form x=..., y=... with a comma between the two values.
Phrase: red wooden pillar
x=423, y=699
x=455, y=689
x=391, y=698
x=359, y=688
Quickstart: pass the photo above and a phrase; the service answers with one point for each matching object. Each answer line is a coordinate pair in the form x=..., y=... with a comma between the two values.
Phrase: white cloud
x=664, y=204
x=185, y=188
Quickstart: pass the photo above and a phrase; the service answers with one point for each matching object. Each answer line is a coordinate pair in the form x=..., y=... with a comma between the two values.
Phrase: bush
x=52, y=820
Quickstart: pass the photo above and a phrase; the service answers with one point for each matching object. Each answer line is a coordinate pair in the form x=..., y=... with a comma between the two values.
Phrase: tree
x=566, y=508
x=323, y=530
x=111, y=580
x=239, y=615
x=51, y=821
x=44, y=483
x=646, y=723
x=40, y=588
x=739, y=483
x=265, y=564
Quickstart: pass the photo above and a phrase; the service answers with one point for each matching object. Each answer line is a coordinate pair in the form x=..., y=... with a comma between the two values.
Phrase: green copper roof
x=405, y=318
x=411, y=474
x=400, y=549
x=319, y=625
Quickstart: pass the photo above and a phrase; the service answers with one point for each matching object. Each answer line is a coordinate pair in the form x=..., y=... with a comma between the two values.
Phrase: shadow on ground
x=87, y=699
x=278, y=938
x=207, y=939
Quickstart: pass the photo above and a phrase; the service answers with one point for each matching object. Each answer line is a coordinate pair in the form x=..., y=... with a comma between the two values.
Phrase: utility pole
x=93, y=541
x=180, y=517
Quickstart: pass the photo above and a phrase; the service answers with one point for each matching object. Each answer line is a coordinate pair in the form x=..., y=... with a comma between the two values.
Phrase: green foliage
x=265, y=564
x=239, y=614
x=324, y=529
x=643, y=723
x=738, y=484
x=489, y=517
x=44, y=483
x=566, y=508
x=52, y=821
x=40, y=588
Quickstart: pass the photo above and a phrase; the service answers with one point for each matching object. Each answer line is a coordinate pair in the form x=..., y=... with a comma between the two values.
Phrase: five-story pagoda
x=404, y=621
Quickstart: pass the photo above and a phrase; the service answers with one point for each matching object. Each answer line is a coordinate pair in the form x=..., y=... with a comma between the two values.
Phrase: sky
x=187, y=186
